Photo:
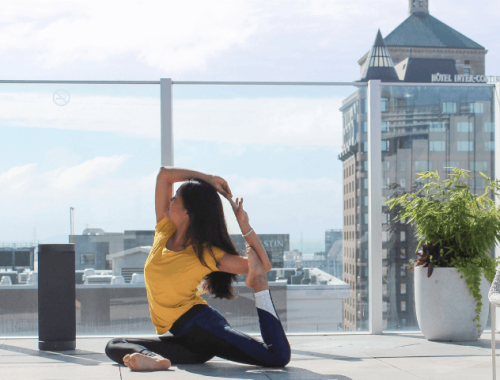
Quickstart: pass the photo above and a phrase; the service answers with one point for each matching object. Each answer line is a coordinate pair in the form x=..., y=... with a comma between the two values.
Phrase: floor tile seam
x=433, y=356
x=59, y=364
x=49, y=356
x=400, y=369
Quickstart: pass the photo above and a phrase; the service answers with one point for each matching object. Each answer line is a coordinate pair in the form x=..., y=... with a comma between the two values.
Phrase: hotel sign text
x=458, y=78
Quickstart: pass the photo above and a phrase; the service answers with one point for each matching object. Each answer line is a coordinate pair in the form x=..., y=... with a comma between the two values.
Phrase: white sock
x=263, y=302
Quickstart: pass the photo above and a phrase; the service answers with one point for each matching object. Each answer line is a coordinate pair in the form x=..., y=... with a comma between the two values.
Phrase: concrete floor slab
x=438, y=368
x=59, y=372
x=340, y=357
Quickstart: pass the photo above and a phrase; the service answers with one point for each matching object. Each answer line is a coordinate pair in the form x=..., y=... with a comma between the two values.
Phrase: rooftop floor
x=342, y=357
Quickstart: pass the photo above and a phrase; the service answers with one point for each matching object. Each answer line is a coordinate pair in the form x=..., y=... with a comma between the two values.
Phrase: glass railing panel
x=295, y=154
x=93, y=148
x=426, y=128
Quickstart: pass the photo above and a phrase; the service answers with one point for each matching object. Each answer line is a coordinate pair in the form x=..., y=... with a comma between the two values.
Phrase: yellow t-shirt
x=172, y=277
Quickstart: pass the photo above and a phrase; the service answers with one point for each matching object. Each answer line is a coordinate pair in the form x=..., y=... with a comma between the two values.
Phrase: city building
x=423, y=36
x=331, y=237
x=274, y=244
x=95, y=248
x=94, y=245
x=423, y=128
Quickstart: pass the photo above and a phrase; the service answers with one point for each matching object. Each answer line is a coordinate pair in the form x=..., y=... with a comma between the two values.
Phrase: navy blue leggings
x=207, y=334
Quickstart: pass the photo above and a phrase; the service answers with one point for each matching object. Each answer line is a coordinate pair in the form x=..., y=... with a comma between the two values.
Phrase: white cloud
x=138, y=116
x=224, y=39
x=174, y=35
x=41, y=199
x=285, y=121
x=289, y=206
x=103, y=199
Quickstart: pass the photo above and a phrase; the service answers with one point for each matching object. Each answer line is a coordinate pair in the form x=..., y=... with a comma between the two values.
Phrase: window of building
x=421, y=166
x=453, y=164
x=365, y=146
x=437, y=127
x=403, y=272
x=403, y=288
x=479, y=166
x=402, y=236
x=402, y=182
x=366, y=218
x=449, y=107
x=489, y=146
x=87, y=258
x=385, y=105
x=365, y=183
x=437, y=146
x=465, y=127
x=403, y=305
x=385, y=145
x=384, y=271
x=402, y=166
x=384, y=289
x=365, y=200
x=489, y=127
x=386, y=166
x=384, y=253
x=465, y=146
x=476, y=107
x=384, y=126
x=365, y=126
x=365, y=166
x=467, y=70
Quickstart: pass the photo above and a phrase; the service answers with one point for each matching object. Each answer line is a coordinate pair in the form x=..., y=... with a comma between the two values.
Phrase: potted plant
x=456, y=230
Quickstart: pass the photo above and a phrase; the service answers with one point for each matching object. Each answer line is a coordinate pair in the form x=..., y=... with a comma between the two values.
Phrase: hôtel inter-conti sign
x=459, y=78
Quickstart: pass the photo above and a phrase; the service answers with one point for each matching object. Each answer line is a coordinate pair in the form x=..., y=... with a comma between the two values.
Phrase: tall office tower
x=423, y=128
x=334, y=257
x=331, y=236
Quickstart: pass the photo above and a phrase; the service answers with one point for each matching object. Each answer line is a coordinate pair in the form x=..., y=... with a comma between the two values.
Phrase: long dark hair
x=207, y=228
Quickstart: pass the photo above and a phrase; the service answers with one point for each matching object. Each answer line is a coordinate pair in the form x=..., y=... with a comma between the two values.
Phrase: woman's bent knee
x=110, y=349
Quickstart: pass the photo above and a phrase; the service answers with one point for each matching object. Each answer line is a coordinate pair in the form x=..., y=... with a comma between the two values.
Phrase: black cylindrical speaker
x=56, y=297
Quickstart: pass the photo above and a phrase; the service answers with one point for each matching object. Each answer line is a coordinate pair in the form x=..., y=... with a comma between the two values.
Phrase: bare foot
x=256, y=277
x=139, y=362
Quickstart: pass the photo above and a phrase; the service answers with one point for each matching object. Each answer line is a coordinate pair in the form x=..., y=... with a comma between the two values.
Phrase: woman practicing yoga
x=192, y=251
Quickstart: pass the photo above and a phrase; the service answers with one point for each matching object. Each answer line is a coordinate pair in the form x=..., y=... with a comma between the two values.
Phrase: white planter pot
x=445, y=309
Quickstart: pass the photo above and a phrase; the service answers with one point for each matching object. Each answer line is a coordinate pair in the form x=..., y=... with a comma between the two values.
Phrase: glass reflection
x=428, y=128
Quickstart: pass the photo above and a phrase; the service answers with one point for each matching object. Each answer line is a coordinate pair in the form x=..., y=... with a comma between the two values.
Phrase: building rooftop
x=424, y=30
x=420, y=70
x=405, y=356
x=379, y=63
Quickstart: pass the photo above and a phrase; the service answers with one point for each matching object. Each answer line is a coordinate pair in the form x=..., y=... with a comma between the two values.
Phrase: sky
x=100, y=152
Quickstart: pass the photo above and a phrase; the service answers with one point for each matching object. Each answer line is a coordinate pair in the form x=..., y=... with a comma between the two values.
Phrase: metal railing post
x=167, y=135
x=375, y=207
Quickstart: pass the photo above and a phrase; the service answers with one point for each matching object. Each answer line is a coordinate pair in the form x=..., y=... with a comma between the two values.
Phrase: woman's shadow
x=230, y=370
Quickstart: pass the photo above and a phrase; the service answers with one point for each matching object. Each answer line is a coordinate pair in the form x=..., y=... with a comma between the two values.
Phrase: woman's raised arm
x=168, y=175
x=252, y=240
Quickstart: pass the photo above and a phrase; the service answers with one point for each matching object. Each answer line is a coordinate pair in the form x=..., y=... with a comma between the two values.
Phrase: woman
x=192, y=250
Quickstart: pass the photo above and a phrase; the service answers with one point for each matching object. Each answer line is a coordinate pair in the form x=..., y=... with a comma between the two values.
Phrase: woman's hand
x=241, y=215
x=221, y=186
